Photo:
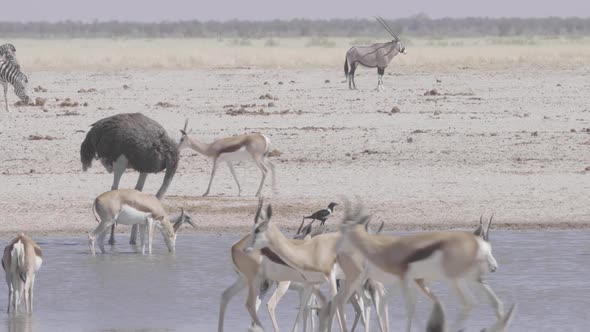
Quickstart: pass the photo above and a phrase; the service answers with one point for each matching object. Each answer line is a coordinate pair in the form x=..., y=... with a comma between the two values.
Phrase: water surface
x=545, y=272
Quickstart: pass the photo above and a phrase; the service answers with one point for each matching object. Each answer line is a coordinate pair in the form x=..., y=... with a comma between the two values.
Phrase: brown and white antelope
x=254, y=147
x=257, y=266
x=456, y=257
x=130, y=207
x=21, y=260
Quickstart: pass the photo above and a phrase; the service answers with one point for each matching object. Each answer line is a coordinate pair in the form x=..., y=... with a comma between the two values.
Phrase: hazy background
x=150, y=11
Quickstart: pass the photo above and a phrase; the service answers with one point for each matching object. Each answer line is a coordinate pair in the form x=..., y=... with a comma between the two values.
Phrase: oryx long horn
x=386, y=26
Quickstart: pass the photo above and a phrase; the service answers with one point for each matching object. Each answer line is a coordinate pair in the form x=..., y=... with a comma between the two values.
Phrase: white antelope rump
x=131, y=207
x=456, y=257
x=254, y=147
x=21, y=260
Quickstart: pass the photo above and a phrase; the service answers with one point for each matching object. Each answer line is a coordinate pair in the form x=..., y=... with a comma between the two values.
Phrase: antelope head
x=169, y=231
x=261, y=223
x=399, y=44
x=485, y=256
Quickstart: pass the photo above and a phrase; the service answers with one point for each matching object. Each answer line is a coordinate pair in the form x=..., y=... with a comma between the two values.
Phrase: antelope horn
x=489, y=224
x=185, y=124
x=386, y=26
x=260, y=202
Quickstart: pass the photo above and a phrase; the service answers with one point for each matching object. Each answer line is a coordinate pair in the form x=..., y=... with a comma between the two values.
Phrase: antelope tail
x=346, y=67
x=18, y=256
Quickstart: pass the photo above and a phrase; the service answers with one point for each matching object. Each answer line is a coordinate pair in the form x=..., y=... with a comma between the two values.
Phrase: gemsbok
x=131, y=207
x=377, y=55
x=254, y=147
x=454, y=256
x=21, y=260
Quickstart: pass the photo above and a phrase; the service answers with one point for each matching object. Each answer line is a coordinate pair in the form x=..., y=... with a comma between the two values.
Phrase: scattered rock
x=39, y=89
x=370, y=152
x=572, y=130
x=292, y=82
x=438, y=80
x=243, y=111
x=265, y=83
x=164, y=104
x=418, y=131
x=280, y=82
x=69, y=113
x=558, y=84
x=271, y=104
x=274, y=153
x=432, y=92
x=69, y=103
x=437, y=112
x=87, y=91
x=125, y=86
x=535, y=133
x=587, y=169
x=85, y=104
x=37, y=137
x=327, y=81
x=409, y=140
x=267, y=96
x=22, y=103
x=394, y=110
x=40, y=101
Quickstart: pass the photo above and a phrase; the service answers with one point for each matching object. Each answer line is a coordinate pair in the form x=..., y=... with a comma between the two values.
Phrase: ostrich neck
x=200, y=147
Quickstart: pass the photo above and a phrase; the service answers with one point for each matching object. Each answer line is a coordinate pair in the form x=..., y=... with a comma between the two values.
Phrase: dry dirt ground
x=514, y=143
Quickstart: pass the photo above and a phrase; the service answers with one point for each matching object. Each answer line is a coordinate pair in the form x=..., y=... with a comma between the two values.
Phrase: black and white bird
x=321, y=215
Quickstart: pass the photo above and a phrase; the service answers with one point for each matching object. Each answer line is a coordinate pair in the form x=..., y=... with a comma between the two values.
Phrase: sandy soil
x=510, y=142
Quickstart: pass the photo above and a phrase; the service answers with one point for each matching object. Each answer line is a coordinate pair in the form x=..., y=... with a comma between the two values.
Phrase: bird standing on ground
x=321, y=215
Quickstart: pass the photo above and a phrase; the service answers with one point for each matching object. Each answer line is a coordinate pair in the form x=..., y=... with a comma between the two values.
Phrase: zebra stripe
x=10, y=73
x=8, y=51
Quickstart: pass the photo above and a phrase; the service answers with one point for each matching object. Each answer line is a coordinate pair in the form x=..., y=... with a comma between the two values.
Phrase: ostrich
x=131, y=140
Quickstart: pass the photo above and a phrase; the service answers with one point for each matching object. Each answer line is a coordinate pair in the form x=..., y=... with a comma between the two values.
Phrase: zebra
x=10, y=73
x=377, y=55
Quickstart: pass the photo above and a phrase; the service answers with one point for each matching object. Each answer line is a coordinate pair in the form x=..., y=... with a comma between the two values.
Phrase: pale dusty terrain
x=510, y=142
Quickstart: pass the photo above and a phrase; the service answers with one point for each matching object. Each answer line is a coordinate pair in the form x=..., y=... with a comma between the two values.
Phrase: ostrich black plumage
x=321, y=215
x=131, y=140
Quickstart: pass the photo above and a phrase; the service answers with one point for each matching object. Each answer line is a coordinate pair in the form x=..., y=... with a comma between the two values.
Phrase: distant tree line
x=415, y=26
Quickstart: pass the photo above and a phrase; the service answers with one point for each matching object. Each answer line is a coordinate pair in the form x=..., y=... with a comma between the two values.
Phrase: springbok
x=130, y=207
x=21, y=260
x=376, y=55
x=317, y=255
x=232, y=149
x=257, y=266
x=453, y=256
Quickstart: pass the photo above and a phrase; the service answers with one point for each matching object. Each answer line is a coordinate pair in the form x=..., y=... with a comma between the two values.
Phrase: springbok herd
x=357, y=265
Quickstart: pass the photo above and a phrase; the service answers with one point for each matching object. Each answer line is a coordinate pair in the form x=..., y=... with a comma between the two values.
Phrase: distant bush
x=320, y=42
x=416, y=26
x=271, y=43
x=239, y=42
